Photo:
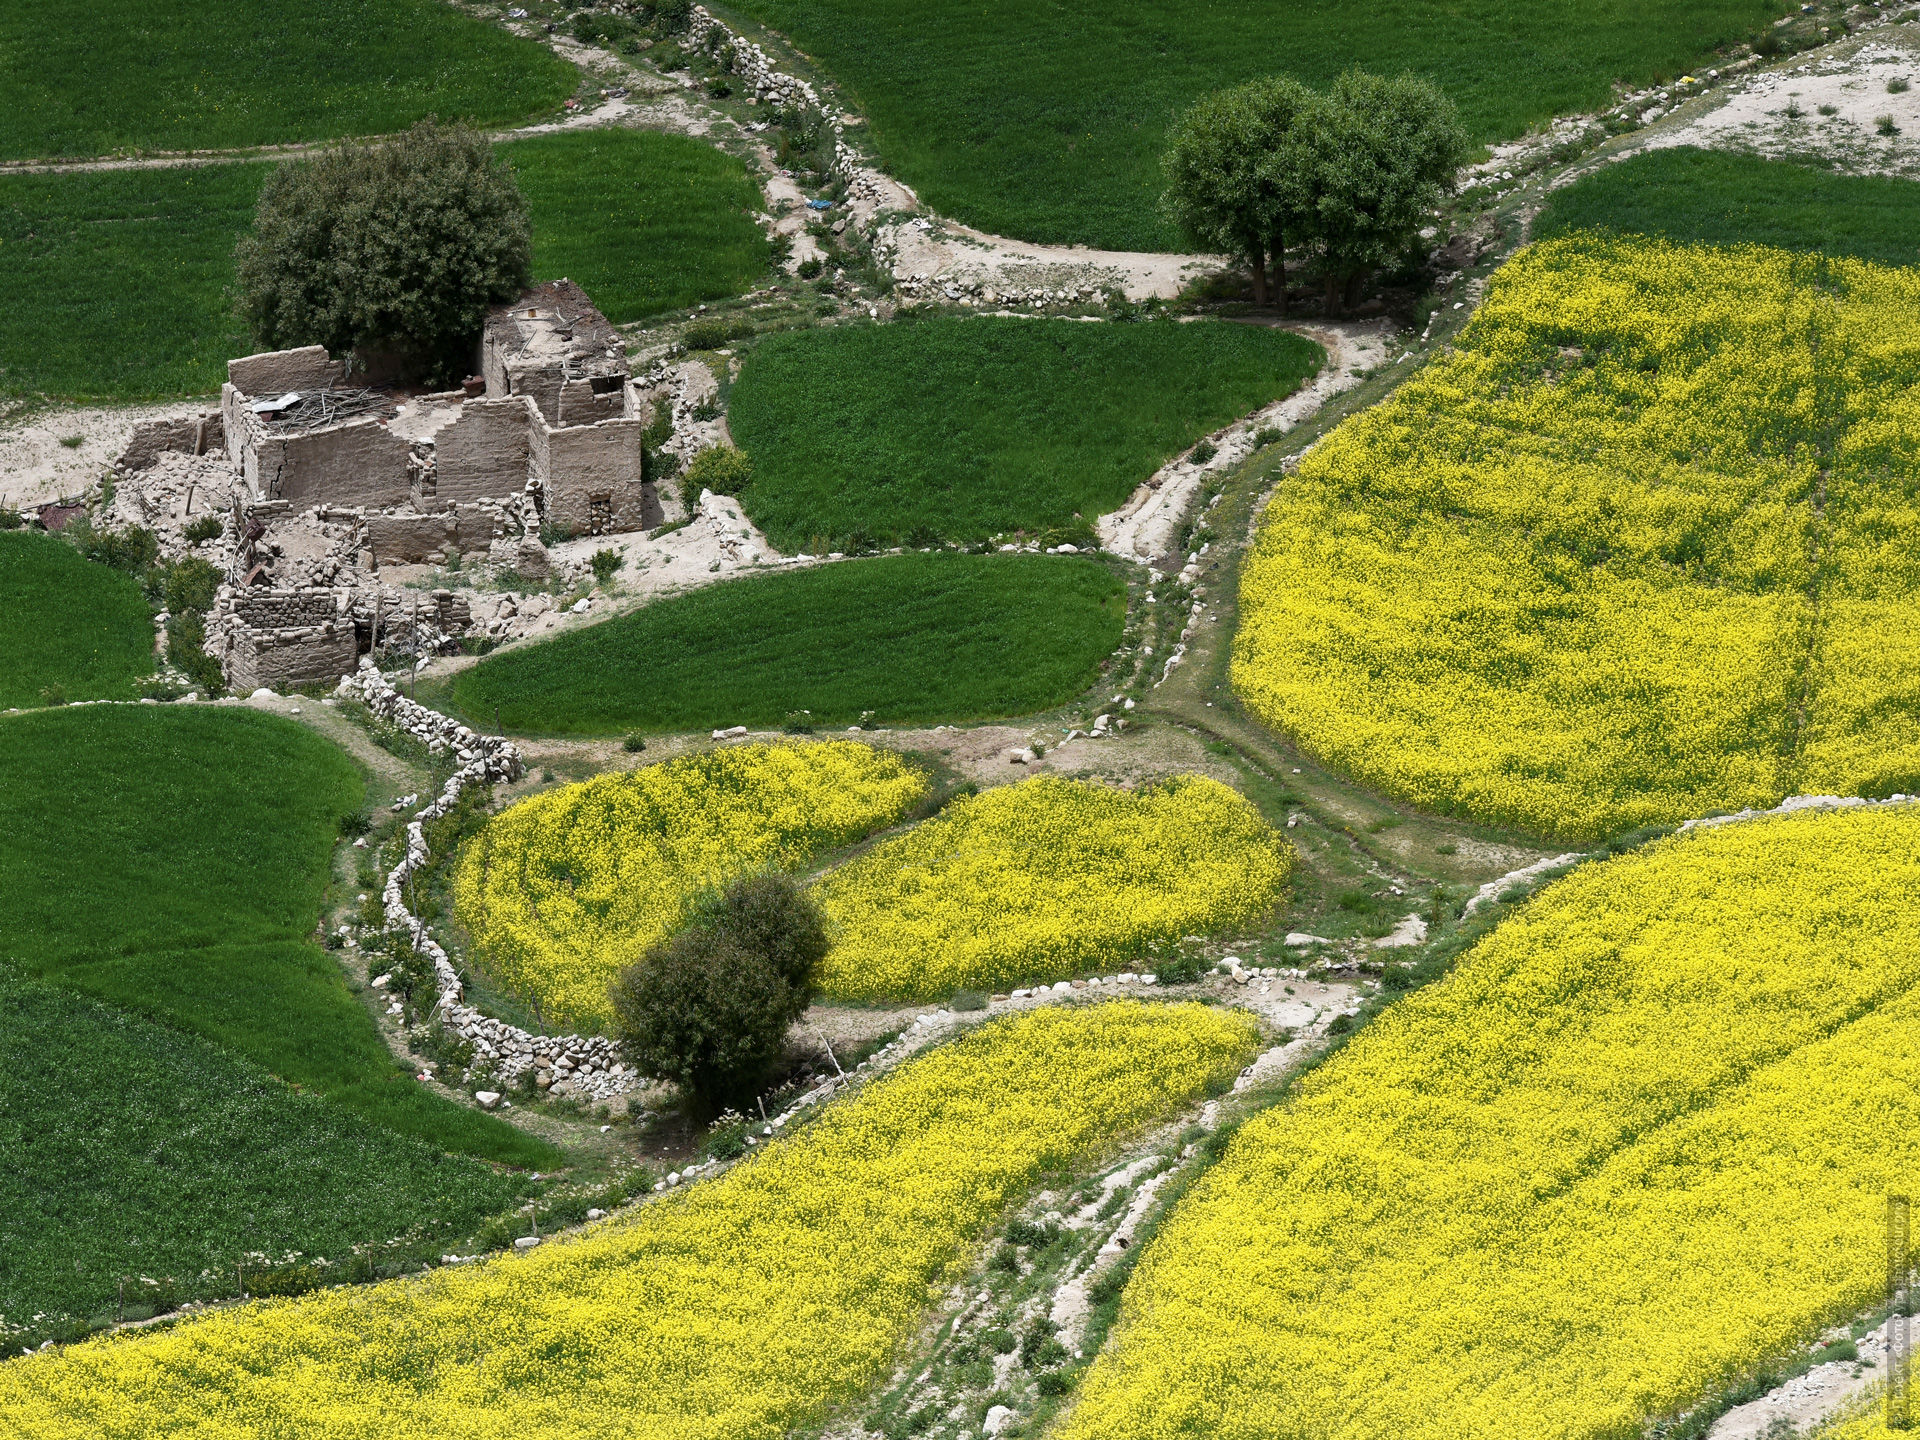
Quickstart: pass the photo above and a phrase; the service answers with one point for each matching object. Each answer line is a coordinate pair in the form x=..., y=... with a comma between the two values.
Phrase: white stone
x=487, y=1098
x=526, y=1242
x=596, y=1214
x=380, y=982
x=998, y=1418
x=1300, y=937
x=263, y=693
x=1061, y=986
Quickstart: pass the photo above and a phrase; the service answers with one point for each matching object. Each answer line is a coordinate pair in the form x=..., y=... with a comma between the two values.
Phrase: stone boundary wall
x=589, y=1063
x=773, y=86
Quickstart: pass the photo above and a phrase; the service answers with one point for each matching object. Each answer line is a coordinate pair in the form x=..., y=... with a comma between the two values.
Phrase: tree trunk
x=1333, y=286
x=1280, y=272
x=1257, y=259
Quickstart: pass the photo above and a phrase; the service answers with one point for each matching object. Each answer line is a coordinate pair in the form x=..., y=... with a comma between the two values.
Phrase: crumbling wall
x=591, y=399
x=412, y=538
x=483, y=454
x=359, y=462
x=408, y=539
x=188, y=435
x=277, y=371
x=593, y=477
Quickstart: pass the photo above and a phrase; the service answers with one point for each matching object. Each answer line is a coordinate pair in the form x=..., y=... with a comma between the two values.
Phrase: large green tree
x=398, y=246
x=1234, y=173
x=1378, y=156
x=1348, y=176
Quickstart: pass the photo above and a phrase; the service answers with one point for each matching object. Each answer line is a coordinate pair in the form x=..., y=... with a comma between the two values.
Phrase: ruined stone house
x=550, y=431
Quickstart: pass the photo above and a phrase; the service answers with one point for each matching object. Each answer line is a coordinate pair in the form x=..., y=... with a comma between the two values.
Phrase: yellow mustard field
x=733, y=1310
x=1642, y=548
x=1637, y=1142
x=1043, y=880
x=562, y=890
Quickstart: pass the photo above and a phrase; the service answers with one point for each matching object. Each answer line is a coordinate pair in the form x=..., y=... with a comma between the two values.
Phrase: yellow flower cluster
x=1638, y=1141
x=1644, y=547
x=1046, y=879
x=735, y=1310
x=562, y=890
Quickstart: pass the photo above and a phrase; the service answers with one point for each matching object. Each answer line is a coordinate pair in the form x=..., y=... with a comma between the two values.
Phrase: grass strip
x=904, y=639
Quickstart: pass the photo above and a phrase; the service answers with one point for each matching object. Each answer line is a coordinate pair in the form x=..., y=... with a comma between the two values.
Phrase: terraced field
x=1640, y=550
x=1049, y=124
x=1609, y=1164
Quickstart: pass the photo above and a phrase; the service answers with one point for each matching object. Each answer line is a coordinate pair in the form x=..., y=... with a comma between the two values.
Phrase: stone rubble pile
x=585, y=1066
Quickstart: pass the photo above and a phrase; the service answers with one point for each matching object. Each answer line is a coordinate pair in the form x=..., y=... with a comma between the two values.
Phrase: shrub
x=207, y=527
x=188, y=585
x=721, y=469
x=712, y=334
x=810, y=267
x=399, y=246
x=605, y=563
x=634, y=743
x=710, y=1007
x=1203, y=452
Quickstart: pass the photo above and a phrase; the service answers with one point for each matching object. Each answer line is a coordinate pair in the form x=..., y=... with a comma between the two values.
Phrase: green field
x=1713, y=198
x=645, y=222
x=117, y=285
x=172, y=862
x=135, y=1149
x=974, y=427
x=1047, y=122
x=67, y=624
x=90, y=79
x=912, y=638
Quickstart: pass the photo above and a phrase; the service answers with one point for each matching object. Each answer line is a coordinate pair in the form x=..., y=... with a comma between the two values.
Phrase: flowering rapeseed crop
x=734, y=1310
x=1045, y=879
x=562, y=890
x=1636, y=1142
x=1637, y=551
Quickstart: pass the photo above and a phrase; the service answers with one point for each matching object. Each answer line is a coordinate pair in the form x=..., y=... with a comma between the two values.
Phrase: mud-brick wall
x=271, y=374
x=278, y=659
x=359, y=462
x=585, y=463
x=483, y=455
x=408, y=539
x=190, y=435
x=582, y=404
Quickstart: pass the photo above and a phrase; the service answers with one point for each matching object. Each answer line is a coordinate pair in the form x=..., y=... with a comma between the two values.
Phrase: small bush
x=1886, y=126
x=712, y=334
x=1898, y=85
x=721, y=469
x=605, y=563
x=133, y=550
x=1054, y=1382
x=188, y=585
x=10, y=518
x=1182, y=969
x=1203, y=452
x=810, y=267
x=207, y=527
x=634, y=743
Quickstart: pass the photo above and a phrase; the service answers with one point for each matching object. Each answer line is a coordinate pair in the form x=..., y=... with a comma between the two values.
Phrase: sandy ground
x=1147, y=526
x=1810, y=1398
x=954, y=256
x=1851, y=77
x=36, y=467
